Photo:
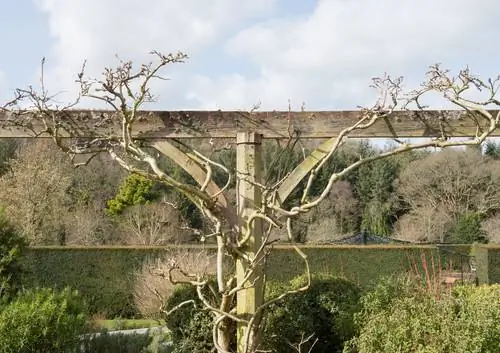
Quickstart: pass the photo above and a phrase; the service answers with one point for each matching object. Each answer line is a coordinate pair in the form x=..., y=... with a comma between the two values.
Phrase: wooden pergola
x=271, y=124
x=249, y=129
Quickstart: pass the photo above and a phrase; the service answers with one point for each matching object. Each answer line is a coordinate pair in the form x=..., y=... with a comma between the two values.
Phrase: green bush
x=42, y=321
x=402, y=317
x=467, y=229
x=11, y=247
x=134, y=190
x=190, y=327
x=326, y=311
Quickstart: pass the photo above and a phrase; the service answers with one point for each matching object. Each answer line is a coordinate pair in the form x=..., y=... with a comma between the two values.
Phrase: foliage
x=42, y=320
x=400, y=316
x=123, y=324
x=134, y=190
x=11, y=247
x=8, y=149
x=362, y=264
x=467, y=229
x=107, y=276
x=105, y=342
x=337, y=216
x=493, y=263
x=373, y=185
x=91, y=188
x=153, y=224
x=191, y=328
x=104, y=276
x=492, y=150
x=326, y=311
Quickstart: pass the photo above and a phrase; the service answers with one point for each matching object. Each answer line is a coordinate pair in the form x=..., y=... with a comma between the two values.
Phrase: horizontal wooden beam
x=271, y=124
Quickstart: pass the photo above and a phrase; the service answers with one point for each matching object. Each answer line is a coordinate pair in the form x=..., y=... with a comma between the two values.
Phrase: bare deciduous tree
x=337, y=215
x=444, y=186
x=491, y=227
x=125, y=90
x=34, y=191
x=154, y=224
x=89, y=225
x=425, y=224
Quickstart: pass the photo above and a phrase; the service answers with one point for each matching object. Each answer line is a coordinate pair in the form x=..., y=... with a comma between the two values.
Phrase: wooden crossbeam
x=271, y=124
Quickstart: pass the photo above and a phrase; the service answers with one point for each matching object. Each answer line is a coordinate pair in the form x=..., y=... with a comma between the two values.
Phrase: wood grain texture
x=271, y=124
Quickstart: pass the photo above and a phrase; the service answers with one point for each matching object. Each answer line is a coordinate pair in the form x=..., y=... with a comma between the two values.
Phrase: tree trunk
x=224, y=334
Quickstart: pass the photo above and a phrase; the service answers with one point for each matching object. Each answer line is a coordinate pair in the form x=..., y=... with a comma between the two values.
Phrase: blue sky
x=321, y=52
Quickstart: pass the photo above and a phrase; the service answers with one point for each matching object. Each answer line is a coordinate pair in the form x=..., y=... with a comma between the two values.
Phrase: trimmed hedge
x=105, y=276
x=480, y=254
x=363, y=265
x=493, y=263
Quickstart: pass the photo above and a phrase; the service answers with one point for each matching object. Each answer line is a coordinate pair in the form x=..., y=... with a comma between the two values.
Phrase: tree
x=154, y=224
x=135, y=190
x=34, y=192
x=86, y=222
x=239, y=235
x=337, y=216
x=50, y=202
x=448, y=191
x=491, y=227
x=373, y=185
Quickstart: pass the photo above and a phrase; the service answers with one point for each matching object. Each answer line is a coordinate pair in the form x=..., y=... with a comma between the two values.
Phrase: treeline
x=425, y=196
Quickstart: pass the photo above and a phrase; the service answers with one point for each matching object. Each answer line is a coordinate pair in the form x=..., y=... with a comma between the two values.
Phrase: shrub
x=326, y=311
x=134, y=190
x=42, y=320
x=468, y=229
x=11, y=247
x=401, y=317
x=191, y=327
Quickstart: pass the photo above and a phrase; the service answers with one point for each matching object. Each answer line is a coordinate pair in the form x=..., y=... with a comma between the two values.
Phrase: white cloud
x=98, y=29
x=327, y=58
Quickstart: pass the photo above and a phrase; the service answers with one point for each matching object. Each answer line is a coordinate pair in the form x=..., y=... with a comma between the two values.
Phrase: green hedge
x=105, y=275
x=363, y=265
x=493, y=263
x=454, y=256
x=480, y=254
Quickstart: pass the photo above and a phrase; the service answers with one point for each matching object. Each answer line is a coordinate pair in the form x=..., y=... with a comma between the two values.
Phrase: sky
x=320, y=53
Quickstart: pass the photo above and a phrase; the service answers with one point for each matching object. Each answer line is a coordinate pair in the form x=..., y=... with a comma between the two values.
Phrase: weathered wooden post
x=249, y=175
